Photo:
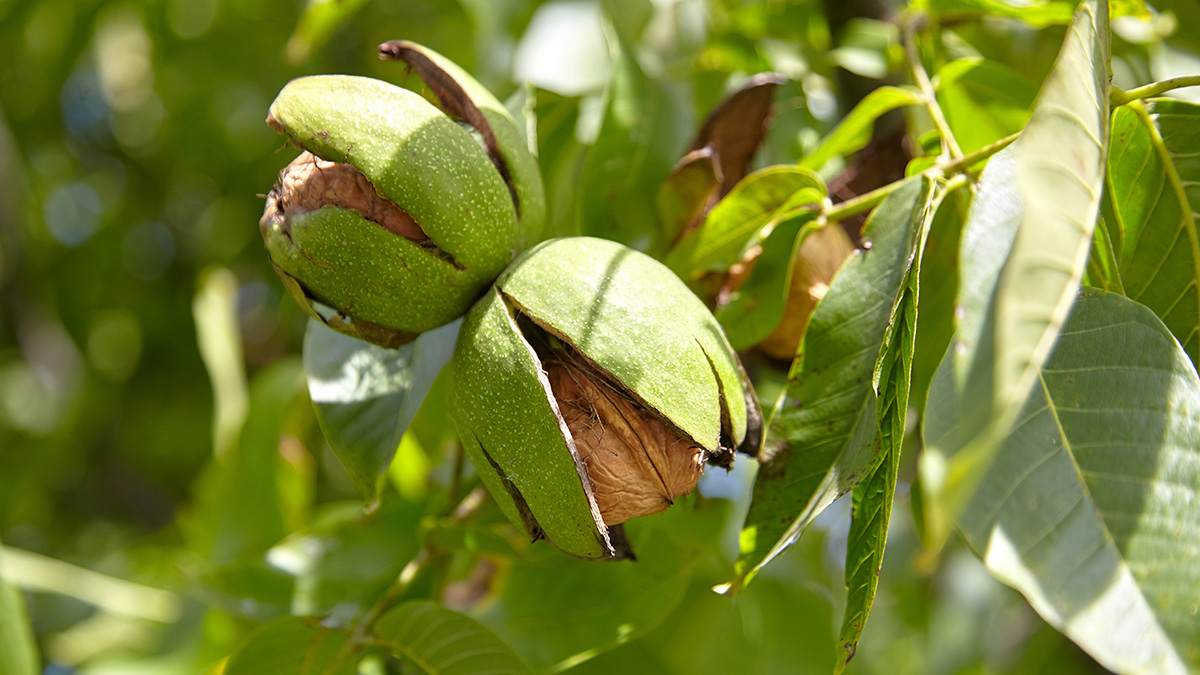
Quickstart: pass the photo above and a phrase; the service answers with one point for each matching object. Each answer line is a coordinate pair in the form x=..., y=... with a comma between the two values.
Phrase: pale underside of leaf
x=1024, y=249
x=1091, y=506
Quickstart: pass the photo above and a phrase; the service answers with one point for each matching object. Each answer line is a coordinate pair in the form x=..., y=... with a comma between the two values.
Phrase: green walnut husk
x=591, y=386
x=398, y=214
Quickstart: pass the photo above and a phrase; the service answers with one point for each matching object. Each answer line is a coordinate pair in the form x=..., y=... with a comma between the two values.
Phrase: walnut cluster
x=637, y=464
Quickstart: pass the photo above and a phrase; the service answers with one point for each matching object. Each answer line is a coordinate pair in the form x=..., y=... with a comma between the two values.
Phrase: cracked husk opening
x=309, y=183
x=637, y=464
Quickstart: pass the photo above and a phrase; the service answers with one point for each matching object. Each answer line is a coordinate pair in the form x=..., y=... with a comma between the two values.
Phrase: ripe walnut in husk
x=590, y=386
x=399, y=213
x=637, y=464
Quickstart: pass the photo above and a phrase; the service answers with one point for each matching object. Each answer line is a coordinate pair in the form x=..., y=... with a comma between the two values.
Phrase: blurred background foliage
x=164, y=485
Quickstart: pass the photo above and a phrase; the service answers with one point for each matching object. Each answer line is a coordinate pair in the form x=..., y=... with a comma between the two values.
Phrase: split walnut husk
x=400, y=211
x=637, y=464
x=590, y=386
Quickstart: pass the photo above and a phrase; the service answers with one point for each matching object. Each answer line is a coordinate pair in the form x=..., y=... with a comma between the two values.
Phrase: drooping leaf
x=440, y=641
x=854, y=131
x=1024, y=250
x=1154, y=183
x=1037, y=14
x=366, y=396
x=18, y=652
x=293, y=644
x=983, y=101
x=823, y=438
x=761, y=198
x=872, y=508
x=1089, y=508
x=939, y=284
x=758, y=305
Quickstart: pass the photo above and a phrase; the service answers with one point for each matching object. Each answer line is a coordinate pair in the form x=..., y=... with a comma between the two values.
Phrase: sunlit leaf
x=18, y=651
x=761, y=198
x=1089, y=508
x=366, y=396
x=1154, y=183
x=983, y=101
x=872, y=507
x=321, y=18
x=440, y=641
x=854, y=131
x=1024, y=250
x=1037, y=14
x=293, y=644
x=824, y=438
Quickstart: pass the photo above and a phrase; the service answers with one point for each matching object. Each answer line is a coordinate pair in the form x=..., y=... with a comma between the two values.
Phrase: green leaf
x=1152, y=180
x=18, y=651
x=872, y=508
x=1024, y=250
x=757, y=307
x=239, y=512
x=939, y=284
x=760, y=199
x=1089, y=507
x=321, y=18
x=560, y=611
x=854, y=131
x=366, y=396
x=983, y=101
x=1104, y=272
x=439, y=641
x=684, y=195
x=644, y=128
x=342, y=562
x=1038, y=14
x=293, y=644
x=823, y=438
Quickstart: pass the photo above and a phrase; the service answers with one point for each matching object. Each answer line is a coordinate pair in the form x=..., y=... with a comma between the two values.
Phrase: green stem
x=949, y=143
x=868, y=201
x=364, y=627
x=1118, y=96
